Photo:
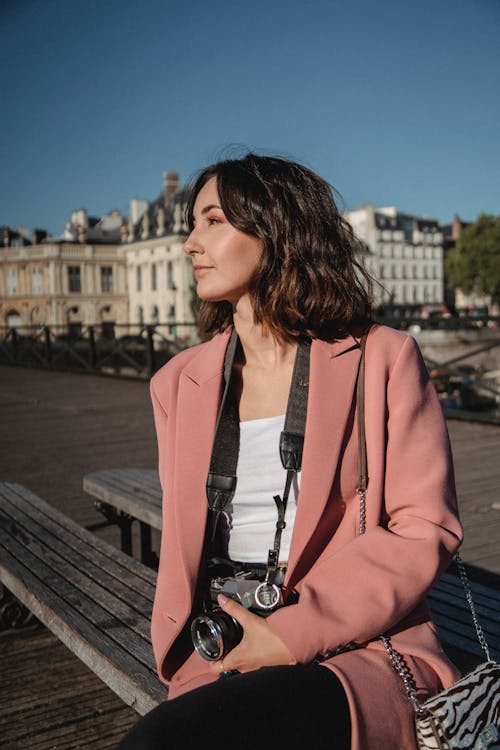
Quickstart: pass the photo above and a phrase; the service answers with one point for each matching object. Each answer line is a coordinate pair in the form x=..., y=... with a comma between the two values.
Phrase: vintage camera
x=215, y=633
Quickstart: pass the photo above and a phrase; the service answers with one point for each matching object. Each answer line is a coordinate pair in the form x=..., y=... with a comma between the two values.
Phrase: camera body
x=255, y=595
x=214, y=634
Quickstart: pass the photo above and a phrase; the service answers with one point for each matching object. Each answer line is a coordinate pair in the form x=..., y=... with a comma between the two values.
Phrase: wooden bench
x=94, y=598
x=137, y=493
x=125, y=495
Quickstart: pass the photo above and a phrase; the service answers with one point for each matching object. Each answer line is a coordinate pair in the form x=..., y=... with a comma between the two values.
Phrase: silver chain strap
x=397, y=660
x=399, y=665
x=468, y=593
x=362, y=509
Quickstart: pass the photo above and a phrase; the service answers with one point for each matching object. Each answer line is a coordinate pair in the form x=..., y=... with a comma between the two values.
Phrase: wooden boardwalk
x=56, y=427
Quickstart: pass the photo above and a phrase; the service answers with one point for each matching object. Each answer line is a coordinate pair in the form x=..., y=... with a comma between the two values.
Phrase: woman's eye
x=213, y=220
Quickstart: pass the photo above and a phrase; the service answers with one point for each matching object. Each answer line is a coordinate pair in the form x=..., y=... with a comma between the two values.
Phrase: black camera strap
x=222, y=479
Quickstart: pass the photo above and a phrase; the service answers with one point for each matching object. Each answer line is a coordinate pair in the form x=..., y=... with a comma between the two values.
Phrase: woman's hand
x=259, y=647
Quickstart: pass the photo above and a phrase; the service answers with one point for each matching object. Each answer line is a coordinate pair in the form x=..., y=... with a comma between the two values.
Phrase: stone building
x=68, y=281
x=160, y=275
x=405, y=255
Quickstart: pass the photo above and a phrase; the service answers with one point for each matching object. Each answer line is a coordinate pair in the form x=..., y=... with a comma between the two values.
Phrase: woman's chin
x=211, y=295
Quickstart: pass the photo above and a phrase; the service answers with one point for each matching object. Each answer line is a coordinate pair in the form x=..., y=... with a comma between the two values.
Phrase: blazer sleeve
x=373, y=582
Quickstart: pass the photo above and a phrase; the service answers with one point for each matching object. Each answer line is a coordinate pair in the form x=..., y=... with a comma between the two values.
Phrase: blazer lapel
x=333, y=372
x=198, y=403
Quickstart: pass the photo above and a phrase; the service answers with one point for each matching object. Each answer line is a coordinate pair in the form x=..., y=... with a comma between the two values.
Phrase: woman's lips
x=200, y=270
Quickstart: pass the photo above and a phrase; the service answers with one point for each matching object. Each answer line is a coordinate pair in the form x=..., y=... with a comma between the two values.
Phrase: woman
x=274, y=261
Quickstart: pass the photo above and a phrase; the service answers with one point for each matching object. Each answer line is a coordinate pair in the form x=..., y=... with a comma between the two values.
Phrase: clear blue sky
x=394, y=102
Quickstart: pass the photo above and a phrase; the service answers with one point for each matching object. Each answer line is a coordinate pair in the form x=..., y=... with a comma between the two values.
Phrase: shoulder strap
x=362, y=458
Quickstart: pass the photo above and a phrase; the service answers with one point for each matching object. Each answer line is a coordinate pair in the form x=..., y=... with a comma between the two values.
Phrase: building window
x=74, y=279
x=36, y=281
x=13, y=319
x=407, y=227
x=154, y=315
x=138, y=278
x=381, y=271
x=170, y=275
x=140, y=315
x=106, y=279
x=153, y=277
x=171, y=319
x=11, y=281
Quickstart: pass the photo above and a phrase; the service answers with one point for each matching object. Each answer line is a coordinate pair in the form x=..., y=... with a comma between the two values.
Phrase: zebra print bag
x=464, y=717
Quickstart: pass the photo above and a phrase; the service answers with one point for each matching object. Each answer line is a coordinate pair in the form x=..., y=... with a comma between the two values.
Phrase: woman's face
x=224, y=259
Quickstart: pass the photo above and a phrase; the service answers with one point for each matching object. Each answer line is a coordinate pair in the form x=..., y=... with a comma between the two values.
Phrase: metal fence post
x=48, y=347
x=150, y=351
x=92, y=358
x=15, y=343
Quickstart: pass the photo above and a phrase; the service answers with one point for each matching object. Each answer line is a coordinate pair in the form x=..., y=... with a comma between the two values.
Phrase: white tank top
x=252, y=515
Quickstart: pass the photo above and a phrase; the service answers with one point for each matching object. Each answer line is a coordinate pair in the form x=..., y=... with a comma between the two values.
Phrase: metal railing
x=125, y=350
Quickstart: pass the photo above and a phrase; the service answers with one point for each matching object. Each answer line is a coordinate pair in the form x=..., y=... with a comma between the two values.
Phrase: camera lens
x=215, y=635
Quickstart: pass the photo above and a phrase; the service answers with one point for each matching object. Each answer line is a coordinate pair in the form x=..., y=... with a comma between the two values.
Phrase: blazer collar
x=209, y=360
x=338, y=346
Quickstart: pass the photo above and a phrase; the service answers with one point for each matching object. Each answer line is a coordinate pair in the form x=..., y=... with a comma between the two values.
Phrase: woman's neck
x=260, y=347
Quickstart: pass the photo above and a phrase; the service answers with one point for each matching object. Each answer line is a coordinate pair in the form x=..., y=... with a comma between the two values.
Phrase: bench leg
x=148, y=557
x=125, y=525
x=122, y=520
x=13, y=614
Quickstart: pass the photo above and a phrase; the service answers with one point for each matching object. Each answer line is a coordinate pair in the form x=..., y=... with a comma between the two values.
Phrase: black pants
x=290, y=707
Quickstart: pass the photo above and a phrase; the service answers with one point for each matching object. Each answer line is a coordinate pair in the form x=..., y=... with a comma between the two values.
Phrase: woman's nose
x=192, y=245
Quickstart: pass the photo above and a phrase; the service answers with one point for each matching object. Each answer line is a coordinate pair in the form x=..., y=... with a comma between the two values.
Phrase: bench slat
x=453, y=592
x=108, y=555
x=83, y=555
x=136, y=492
x=485, y=595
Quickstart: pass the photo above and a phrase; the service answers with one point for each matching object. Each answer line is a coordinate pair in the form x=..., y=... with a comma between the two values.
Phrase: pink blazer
x=351, y=588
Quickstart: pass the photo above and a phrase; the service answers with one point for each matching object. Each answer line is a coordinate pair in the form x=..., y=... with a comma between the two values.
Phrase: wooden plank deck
x=47, y=700
x=56, y=427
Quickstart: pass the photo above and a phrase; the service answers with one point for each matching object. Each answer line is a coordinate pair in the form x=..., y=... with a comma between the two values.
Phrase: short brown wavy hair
x=308, y=281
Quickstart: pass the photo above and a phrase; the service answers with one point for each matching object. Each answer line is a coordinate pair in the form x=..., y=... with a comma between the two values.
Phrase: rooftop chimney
x=456, y=228
x=39, y=235
x=171, y=184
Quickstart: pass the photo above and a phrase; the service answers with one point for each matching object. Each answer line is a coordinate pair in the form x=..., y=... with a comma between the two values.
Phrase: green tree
x=474, y=264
